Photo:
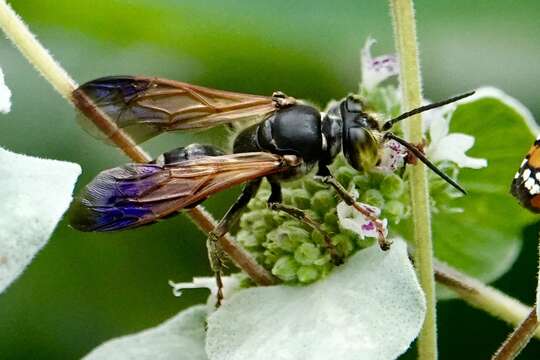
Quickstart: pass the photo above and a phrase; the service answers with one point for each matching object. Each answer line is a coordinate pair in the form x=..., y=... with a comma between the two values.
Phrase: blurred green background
x=85, y=288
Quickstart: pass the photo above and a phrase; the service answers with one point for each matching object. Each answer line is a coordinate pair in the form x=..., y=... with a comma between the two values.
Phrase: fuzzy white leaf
x=35, y=194
x=370, y=308
x=179, y=338
x=5, y=95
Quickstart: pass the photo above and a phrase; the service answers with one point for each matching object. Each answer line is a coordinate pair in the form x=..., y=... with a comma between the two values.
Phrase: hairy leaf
x=370, y=308
x=35, y=193
x=181, y=337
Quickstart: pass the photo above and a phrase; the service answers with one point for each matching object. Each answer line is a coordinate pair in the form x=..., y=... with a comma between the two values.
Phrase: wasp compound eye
x=361, y=148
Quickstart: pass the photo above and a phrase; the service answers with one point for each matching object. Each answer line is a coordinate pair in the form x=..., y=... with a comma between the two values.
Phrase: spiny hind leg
x=215, y=253
x=275, y=203
x=328, y=179
x=216, y=258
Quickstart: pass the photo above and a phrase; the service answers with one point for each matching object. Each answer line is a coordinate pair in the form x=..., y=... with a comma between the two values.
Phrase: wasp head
x=361, y=135
x=348, y=127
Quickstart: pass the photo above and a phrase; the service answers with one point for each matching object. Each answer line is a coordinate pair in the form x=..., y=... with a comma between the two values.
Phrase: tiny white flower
x=392, y=156
x=376, y=70
x=230, y=284
x=5, y=95
x=445, y=146
x=353, y=220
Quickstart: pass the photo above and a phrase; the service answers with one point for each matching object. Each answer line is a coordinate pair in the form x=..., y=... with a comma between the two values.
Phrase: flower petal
x=438, y=121
x=181, y=337
x=352, y=225
x=35, y=193
x=5, y=95
x=453, y=148
x=369, y=228
x=376, y=70
x=370, y=308
x=352, y=220
x=392, y=156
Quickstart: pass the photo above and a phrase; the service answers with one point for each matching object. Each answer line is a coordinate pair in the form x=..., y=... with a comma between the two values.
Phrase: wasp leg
x=215, y=253
x=384, y=243
x=215, y=256
x=274, y=203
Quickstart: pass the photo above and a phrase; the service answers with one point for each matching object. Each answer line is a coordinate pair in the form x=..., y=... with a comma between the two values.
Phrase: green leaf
x=181, y=337
x=485, y=239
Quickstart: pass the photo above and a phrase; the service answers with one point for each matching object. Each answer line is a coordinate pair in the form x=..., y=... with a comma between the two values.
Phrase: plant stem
x=36, y=54
x=521, y=335
x=518, y=339
x=17, y=31
x=482, y=296
x=405, y=37
x=121, y=139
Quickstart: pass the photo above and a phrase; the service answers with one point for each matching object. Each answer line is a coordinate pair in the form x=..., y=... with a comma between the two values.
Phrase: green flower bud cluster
x=296, y=253
x=388, y=192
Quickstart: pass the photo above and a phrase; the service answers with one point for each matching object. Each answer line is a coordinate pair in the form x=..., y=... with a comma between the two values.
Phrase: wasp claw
x=385, y=243
x=337, y=260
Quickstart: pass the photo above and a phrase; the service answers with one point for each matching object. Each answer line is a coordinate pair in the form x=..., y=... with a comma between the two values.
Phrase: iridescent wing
x=145, y=107
x=136, y=194
x=526, y=184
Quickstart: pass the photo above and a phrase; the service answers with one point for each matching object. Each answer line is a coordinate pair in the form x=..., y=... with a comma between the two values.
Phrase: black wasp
x=284, y=140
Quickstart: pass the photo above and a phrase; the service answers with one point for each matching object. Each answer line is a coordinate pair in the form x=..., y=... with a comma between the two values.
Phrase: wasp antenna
x=388, y=125
x=428, y=163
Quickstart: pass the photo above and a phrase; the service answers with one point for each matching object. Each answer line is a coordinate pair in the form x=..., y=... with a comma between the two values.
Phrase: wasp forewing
x=136, y=194
x=145, y=107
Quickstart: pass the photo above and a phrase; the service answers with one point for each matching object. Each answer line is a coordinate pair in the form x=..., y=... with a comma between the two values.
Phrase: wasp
x=282, y=139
